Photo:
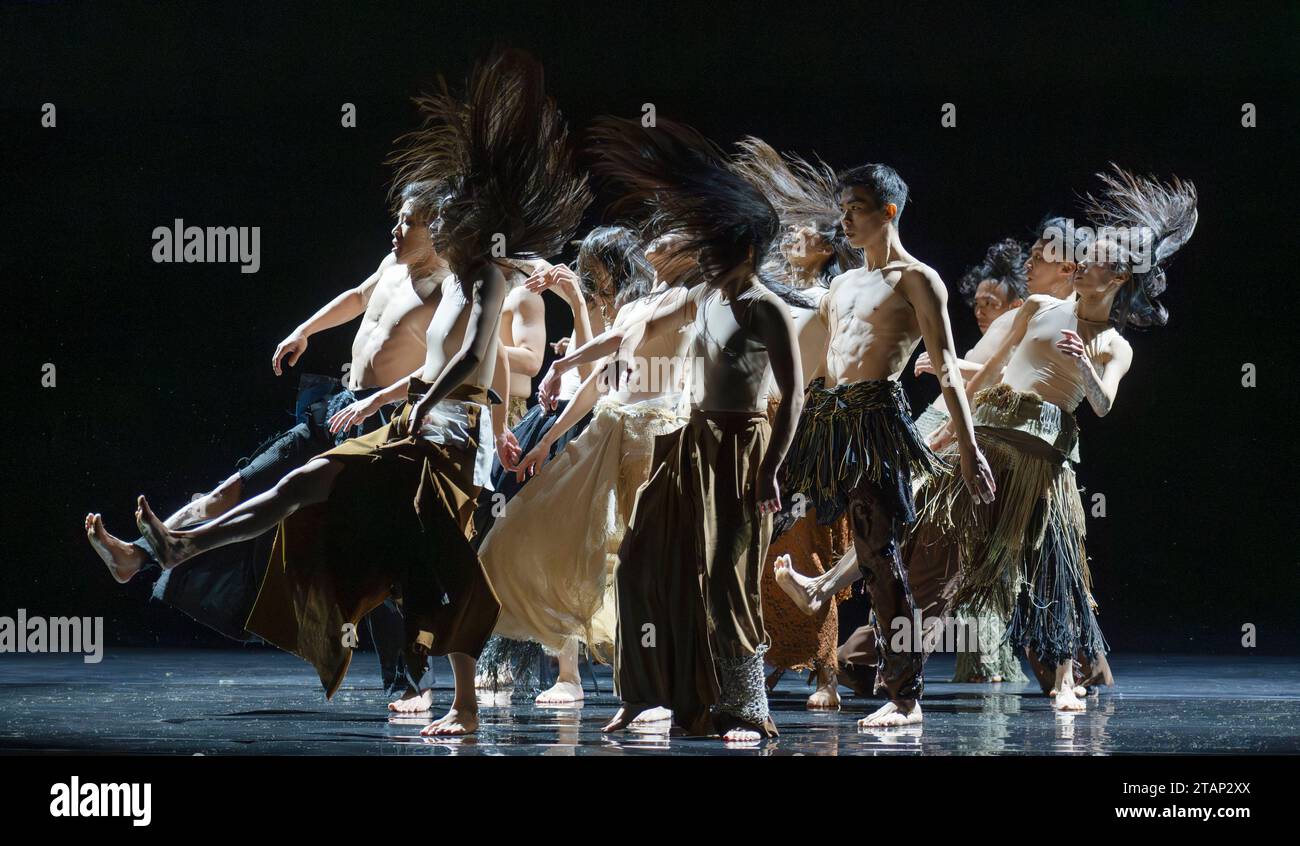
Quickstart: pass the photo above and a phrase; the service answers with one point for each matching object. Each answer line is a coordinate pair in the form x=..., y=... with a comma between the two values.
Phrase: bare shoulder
x=919, y=283
x=1037, y=302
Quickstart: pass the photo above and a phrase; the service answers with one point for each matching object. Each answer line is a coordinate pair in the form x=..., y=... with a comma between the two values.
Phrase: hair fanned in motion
x=803, y=194
x=502, y=162
x=673, y=179
x=1004, y=263
x=1142, y=203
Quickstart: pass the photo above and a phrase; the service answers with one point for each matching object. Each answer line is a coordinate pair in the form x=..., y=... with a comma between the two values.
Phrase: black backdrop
x=225, y=114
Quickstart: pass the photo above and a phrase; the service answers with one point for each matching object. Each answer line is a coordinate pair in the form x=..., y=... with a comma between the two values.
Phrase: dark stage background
x=229, y=115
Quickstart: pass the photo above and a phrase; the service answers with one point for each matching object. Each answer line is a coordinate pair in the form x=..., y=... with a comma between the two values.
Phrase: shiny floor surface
x=262, y=702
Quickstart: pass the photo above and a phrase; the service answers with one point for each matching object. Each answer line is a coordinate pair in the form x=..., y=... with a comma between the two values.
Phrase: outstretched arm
x=675, y=310
x=346, y=306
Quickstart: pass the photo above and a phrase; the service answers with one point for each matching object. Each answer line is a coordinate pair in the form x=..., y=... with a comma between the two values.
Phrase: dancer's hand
x=535, y=458
x=942, y=437
x=1071, y=344
x=561, y=346
x=353, y=414
x=769, y=494
x=548, y=392
x=923, y=365
x=976, y=474
x=560, y=279
x=293, y=346
x=508, y=449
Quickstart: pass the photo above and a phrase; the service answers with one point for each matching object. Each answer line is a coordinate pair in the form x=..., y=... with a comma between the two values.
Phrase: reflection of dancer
x=856, y=448
x=394, y=305
x=690, y=625
x=392, y=510
x=812, y=253
x=551, y=554
x=1024, y=555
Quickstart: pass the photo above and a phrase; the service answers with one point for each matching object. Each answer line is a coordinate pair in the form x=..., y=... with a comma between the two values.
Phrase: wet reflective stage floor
x=262, y=702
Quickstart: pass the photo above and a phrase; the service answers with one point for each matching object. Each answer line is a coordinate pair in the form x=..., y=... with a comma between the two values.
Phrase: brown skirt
x=398, y=520
x=800, y=642
x=687, y=581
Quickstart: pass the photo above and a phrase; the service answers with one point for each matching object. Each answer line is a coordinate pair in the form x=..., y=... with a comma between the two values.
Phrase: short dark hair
x=425, y=196
x=1004, y=263
x=882, y=181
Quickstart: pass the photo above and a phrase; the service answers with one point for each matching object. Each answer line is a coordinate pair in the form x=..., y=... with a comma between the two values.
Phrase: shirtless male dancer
x=392, y=510
x=856, y=448
x=395, y=304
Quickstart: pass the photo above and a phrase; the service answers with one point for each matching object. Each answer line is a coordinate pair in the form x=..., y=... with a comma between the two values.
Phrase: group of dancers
x=720, y=451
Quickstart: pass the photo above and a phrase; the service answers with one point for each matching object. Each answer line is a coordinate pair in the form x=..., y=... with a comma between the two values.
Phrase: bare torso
x=390, y=342
x=659, y=367
x=873, y=328
x=731, y=370
x=1037, y=364
x=447, y=334
x=811, y=333
x=522, y=313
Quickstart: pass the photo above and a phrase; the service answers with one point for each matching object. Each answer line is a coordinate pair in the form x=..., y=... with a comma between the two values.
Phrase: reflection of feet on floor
x=562, y=693
x=800, y=589
x=1067, y=699
x=412, y=702
x=503, y=679
x=124, y=560
x=826, y=697
x=891, y=715
x=454, y=722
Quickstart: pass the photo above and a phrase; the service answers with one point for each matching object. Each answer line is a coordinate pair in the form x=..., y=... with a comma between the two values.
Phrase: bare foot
x=742, y=735
x=826, y=697
x=454, y=722
x=622, y=719
x=1079, y=692
x=562, y=693
x=801, y=589
x=170, y=546
x=412, y=702
x=891, y=715
x=1067, y=700
x=995, y=679
x=124, y=560
x=653, y=715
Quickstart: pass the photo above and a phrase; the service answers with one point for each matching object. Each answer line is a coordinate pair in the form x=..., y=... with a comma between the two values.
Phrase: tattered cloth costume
x=1023, y=554
x=550, y=555
x=398, y=519
x=856, y=452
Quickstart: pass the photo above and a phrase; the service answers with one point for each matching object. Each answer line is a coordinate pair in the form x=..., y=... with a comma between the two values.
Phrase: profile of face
x=805, y=248
x=1098, y=278
x=862, y=218
x=411, y=236
x=1053, y=278
x=668, y=261
x=992, y=300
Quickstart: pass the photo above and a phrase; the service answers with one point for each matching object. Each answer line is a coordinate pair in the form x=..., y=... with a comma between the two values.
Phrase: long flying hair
x=804, y=194
x=1167, y=212
x=1004, y=263
x=618, y=250
x=673, y=179
x=501, y=161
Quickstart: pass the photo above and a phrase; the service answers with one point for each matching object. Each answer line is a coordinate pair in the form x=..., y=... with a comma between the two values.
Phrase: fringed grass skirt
x=1023, y=556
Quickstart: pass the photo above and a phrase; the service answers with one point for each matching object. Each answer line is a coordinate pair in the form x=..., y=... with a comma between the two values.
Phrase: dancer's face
x=411, y=238
x=1048, y=277
x=669, y=263
x=805, y=248
x=992, y=300
x=863, y=219
x=1098, y=278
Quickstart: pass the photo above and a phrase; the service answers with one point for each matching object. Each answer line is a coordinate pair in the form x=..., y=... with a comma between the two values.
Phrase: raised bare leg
x=124, y=560
x=307, y=485
x=810, y=593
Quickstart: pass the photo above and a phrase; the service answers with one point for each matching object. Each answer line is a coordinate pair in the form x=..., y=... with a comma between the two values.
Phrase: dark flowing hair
x=1004, y=263
x=499, y=164
x=618, y=250
x=1164, y=212
x=673, y=179
x=803, y=194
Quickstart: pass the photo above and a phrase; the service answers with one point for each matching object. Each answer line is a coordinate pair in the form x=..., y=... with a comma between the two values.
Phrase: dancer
x=690, y=632
x=856, y=447
x=813, y=252
x=551, y=555
x=1024, y=556
x=395, y=304
x=392, y=510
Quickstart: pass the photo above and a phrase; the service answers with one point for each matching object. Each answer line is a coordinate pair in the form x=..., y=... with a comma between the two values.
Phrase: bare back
x=446, y=336
x=731, y=368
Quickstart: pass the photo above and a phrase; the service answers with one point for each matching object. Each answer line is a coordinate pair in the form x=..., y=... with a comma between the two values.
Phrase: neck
x=424, y=265
x=884, y=248
x=805, y=277
x=1094, y=307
